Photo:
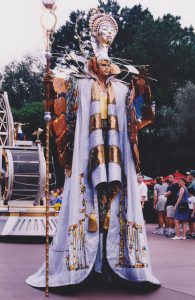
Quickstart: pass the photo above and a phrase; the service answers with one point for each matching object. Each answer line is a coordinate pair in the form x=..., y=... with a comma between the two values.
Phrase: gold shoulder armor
x=59, y=85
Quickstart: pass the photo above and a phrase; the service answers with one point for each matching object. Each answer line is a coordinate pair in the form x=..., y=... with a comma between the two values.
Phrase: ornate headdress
x=94, y=40
x=99, y=23
x=98, y=17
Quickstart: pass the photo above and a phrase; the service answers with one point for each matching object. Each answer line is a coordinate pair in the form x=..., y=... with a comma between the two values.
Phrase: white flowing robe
x=75, y=250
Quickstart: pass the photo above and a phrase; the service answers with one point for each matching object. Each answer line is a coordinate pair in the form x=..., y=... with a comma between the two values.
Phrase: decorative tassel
x=93, y=227
x=107, y=220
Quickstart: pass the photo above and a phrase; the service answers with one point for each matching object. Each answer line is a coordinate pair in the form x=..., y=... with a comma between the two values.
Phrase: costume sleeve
x=140, y=111
x=62, y=103
x=64, y=121
x=142, y=102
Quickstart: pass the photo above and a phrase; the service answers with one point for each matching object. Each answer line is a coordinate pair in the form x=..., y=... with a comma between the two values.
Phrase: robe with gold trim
x=76, y=251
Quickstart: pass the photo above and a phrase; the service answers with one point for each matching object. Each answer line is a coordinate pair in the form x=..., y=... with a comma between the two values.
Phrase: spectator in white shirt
x=143, y=191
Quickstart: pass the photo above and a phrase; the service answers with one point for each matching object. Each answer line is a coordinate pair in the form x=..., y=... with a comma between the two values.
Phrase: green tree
x=178, y=131
x=23, y=81
x=32, y=113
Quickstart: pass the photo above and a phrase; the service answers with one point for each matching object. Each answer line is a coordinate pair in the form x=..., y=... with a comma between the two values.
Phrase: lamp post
x=48, y=21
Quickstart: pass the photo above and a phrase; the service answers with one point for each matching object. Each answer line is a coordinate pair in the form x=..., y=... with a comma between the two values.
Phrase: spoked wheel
x=6, y=122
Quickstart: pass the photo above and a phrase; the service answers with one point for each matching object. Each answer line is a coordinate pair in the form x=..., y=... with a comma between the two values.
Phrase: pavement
x=173, y=264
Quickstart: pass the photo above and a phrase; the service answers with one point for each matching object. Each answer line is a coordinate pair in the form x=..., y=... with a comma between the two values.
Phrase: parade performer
x=19, y=135
x=95, y=124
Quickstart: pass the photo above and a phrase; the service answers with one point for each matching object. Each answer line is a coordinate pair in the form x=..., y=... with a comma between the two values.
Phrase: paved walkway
x=173, y=264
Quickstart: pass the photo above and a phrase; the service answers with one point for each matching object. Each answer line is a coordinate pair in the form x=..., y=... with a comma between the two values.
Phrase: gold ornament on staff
x=37, y=133
x=48, y=22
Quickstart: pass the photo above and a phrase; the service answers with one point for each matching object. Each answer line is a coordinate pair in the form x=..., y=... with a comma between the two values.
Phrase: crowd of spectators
x=174, y=203
x=175, y=206
x=55, y=198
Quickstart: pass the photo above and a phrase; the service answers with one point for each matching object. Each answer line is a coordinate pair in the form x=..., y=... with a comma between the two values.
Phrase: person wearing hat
x=188, y=179
x=192, y=179
x=191, y=201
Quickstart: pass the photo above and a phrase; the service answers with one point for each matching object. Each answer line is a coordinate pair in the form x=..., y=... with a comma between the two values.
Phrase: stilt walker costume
x=101, y=225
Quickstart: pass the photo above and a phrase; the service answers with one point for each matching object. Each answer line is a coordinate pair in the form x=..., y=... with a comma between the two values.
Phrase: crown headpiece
x=95, y=34
x=100, y=39
x=98, y=18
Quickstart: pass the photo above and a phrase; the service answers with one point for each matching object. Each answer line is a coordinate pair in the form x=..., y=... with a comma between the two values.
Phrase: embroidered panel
x=76, y=258
x=130, y=234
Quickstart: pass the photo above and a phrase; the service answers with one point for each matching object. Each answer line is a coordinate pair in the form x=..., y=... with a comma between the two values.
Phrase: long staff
x=48, y=21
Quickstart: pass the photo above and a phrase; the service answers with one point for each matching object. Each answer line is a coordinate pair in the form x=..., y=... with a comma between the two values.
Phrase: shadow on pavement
x=95, y=284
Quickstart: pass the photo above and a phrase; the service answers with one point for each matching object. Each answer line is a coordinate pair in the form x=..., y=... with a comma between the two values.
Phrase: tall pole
x=47, y=119
x=48, y=21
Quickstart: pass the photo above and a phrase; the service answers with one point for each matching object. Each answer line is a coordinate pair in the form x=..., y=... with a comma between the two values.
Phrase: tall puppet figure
x=95, y=124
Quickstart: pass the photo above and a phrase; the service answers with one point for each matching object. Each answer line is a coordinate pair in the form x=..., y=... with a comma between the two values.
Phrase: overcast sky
x=21, y=33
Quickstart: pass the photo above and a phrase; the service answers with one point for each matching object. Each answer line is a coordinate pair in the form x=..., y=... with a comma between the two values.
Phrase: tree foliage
x=32, y=113
x=179, y=129
x=23, y=81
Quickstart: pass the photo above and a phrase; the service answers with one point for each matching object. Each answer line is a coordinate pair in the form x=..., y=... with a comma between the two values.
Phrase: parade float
x=22, y=180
